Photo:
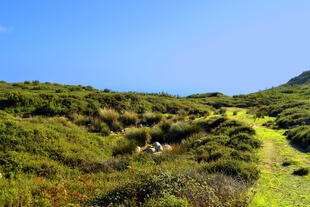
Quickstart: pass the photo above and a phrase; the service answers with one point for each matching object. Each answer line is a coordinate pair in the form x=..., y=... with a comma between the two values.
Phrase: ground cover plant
x=66, y=145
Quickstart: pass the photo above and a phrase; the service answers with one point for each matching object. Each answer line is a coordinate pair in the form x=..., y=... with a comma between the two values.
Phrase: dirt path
x=277, y=185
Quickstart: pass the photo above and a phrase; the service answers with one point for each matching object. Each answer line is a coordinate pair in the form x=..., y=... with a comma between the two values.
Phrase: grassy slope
x=277, y=186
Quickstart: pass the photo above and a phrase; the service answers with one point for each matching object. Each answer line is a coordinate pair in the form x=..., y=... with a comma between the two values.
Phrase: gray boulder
x=308, y=148
x=157, y=146
x=150, y=150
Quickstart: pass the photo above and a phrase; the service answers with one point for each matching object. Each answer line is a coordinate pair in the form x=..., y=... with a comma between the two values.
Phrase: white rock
x=138, y=149
x=158, y=146
x=167, y=147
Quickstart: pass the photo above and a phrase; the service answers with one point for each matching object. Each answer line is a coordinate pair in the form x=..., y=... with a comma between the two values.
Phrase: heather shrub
x=150, y=118
x=235, y=168
x=300, y=136
x=129, y=119
x=140, y=135
x=109, y=116
x=169, y=201
x=165, y=125
x=157, y=134
x=289, y=162
x=181, y=130
x=125, y=147
x=98, y=126
x=189, y=142
x=302, y=171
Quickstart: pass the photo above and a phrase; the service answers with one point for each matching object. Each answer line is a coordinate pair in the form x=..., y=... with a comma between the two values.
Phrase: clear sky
x=176, y=46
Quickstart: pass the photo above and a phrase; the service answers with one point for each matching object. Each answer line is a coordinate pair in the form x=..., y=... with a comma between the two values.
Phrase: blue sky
x=175, y=46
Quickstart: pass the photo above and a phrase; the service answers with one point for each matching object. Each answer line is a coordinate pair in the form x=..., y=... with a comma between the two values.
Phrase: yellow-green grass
x=277, y=185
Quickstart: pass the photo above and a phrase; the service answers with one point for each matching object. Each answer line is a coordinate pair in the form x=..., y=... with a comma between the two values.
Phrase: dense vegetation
x=63, y=145
x=66, y=145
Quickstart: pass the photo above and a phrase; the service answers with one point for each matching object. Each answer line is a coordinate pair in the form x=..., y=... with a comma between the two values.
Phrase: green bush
x=140, y=135
x=239, y=169
x=98, y=126
x=289, y=162
x=181, y=130
x=302, y=171
x=109, y=116
x=244, y=138
x=170, y=201
x=157, y=135
x=300, y=136
x=129, y=119
x=150, y=118
x=165, y=125
x=125, y=147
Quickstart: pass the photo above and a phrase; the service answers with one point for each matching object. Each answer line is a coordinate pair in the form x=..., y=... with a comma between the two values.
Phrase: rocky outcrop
x=156, y=148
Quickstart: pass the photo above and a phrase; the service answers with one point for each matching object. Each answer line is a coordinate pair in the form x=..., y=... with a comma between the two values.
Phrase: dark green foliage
x=303, y=78
x=129, y=119
x=140, y=135
x=151, y=118
x=96, y=125
x=157, y=135
x=300, y=136
x=180, y=131
x=43, y=146
x=126, y=147
x=241, y=129
x=302, y=171
x=289, y=162
x=19, y=98
x=241, y=169
x=165, y=125
x=243, y=138
x=165, y=189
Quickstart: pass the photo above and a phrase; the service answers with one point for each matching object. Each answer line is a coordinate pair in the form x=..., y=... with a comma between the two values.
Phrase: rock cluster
x=156, y=148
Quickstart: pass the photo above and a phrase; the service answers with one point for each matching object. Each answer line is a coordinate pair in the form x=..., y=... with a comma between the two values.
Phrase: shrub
x=238, y=169
x=98, y=126
x=243, y=138
x=302, y=171
x=126, y=147
x=19, y=98
x=181, y=130
x=241, y=129
x=289, y=162
x=165, y=125
x=150, y=118
x=129, y=118
x=300, y=136
x=140, y=135
x=170, y=201
x=109, y=116
x=157, y=134
x=189, y=142
x=36, y=82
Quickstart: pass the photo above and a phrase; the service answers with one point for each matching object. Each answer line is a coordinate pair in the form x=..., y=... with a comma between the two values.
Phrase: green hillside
x=63, y=145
